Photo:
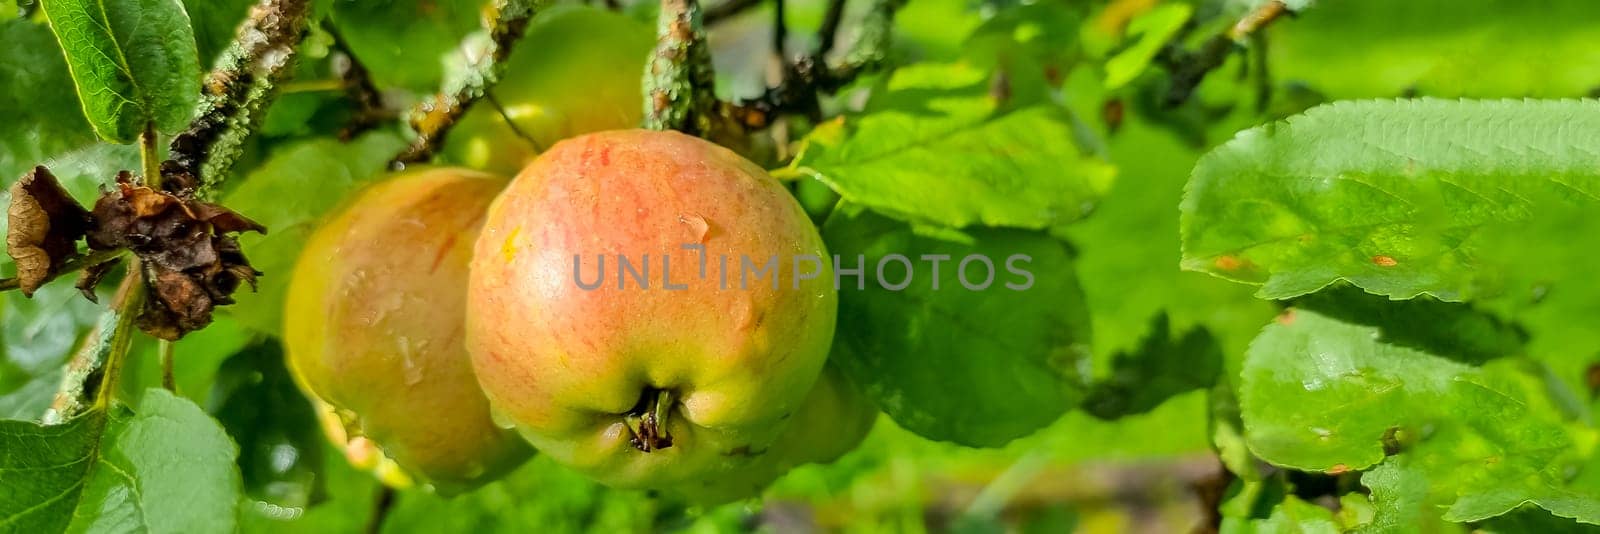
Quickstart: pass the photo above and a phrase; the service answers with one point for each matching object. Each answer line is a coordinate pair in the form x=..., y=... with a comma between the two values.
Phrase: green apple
x=577, y=70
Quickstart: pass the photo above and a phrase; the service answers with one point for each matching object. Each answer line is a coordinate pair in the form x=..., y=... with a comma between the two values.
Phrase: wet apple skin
x=374, y=326
x=565, y=363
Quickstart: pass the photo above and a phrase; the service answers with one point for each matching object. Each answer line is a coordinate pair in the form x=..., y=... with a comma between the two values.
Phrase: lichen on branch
x=679, y=80
x=91, y=376
x=506, y=21
x=235, y=96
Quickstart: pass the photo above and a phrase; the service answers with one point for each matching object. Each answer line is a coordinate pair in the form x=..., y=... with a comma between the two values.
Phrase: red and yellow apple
x=665, y=385
x=374, y=328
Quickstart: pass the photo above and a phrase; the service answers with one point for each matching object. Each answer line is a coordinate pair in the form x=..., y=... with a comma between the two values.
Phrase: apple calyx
x=648, y=420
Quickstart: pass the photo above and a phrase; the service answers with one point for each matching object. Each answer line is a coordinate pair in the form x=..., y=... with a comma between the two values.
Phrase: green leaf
x=1153, y=30
x=1445, y=329
x=197, y=358
x=164, y=467
x=1446, y=48
x=407, y=43
x=42, y=118
x=133, y=61
x=1227, y=438
x=1292, y=516
x=1128, y=280
x=352, y=496
x=38, y=335
x=1498, y=456
x=1397, y=495
x=290, y=194
x=1472, y=442
x=936, y=131
x=1395, y=197
x=45, y=468
x=1044, y=33
x=567, y=502
x=935, y=28
x=1163, y=367
x=1033, y=44
x=275, y=426
x=215, y=22
x=1531, y=519
x=1017, y=344
x=1366, y=392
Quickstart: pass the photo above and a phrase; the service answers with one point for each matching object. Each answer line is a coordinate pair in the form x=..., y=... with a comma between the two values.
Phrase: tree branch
x=165, y=349
x=811, y=76
x=828, y=32
x=679, y=80
x=1188, y=69
x=780, y=32
x=235, y=96
x=1257, y=19
x=506, y=21
x=77, y=263
x=91, y=377
x=356, y=82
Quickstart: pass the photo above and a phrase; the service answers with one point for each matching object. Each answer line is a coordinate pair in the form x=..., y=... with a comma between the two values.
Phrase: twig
x=1257, y=19
x=780, y=33
x=1188, y=69
x=1210, y=492
x=828, y=32
x=433, y=118
x=727, y=9
x=150, y=157
x=75, y=264
x=679, y=79
x=813, y=75
x=989, y=502
x=236, y=95
x=1263, y=75
x=357, y=84
x=92, y=374
x=500, y=110
x=165, y=351
x=381, y=506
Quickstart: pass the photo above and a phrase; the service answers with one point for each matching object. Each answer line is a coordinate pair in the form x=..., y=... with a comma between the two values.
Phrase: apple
x=374, y=323
x=577, y=70
x=670, y=379
x=361, y=452
x=833, y=421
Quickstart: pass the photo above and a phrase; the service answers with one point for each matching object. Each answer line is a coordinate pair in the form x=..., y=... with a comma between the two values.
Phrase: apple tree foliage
x=1340, y=257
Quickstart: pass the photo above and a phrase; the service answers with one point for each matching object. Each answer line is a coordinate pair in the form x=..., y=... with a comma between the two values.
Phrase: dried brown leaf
x=45, y=224
x=190, y=263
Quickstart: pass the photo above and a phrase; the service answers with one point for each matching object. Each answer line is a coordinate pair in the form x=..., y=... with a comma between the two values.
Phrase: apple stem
x=649, y=425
